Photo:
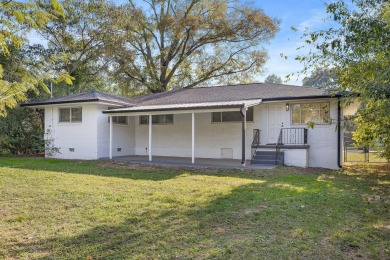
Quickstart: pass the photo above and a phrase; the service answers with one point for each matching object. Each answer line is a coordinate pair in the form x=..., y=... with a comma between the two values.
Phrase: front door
x=275, y=121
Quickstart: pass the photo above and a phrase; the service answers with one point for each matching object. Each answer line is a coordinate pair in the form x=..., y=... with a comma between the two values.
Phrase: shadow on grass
x=148, y=172
x=285, y=217
x=86, y=167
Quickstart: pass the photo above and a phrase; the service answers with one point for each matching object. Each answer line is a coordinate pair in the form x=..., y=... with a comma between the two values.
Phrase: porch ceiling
x=184, y=108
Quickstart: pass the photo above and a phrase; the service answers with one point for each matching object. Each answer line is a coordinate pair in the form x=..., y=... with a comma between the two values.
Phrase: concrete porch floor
x=184, y=161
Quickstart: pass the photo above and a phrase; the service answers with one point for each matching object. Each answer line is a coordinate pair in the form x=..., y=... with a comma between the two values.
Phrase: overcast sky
x=300, y=14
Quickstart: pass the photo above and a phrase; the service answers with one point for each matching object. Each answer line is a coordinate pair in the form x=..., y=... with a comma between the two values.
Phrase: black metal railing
x=279, y=144
x=290, y=136
x=293, y=136
x=255, y=142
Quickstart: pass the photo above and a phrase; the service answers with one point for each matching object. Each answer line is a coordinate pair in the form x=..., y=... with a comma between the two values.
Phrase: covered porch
x=188, y=145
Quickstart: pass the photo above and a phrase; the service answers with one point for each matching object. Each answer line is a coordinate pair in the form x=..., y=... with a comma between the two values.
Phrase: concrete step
x=268, y=153
x=268, y=157
x=270, y=162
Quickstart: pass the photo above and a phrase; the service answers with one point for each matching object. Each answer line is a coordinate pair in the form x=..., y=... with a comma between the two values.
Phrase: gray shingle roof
x=241, y=92
x=93, y=96
x=264, y=91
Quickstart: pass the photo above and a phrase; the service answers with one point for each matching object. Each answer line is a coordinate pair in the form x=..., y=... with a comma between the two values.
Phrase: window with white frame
x=231, y=116
x=310, y=112
x=120, y=120
x=71, y=115
x=157, y=119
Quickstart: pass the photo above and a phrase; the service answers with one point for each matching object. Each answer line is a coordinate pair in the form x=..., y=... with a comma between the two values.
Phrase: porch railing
x=290, y=136
x=293, y=136
x=255, y=142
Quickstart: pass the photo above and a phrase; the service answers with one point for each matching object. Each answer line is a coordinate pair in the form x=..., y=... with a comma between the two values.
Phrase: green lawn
x=69, y=209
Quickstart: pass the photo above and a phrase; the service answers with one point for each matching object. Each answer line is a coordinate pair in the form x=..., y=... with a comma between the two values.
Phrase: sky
x=300, y=14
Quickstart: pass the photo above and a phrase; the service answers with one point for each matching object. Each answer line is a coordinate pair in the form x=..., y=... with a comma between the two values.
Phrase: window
x=313, y=112
x=71, y=114
x=157, y=119
x=234, y=116
x=121, y=120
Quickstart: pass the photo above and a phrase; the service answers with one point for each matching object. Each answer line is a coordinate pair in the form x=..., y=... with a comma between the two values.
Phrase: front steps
x=268, y=157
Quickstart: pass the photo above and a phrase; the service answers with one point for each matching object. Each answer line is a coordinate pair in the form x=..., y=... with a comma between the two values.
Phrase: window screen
x=157, y=119
x=233, y=116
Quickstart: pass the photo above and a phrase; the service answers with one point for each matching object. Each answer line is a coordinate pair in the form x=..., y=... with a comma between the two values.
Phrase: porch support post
x=193, y=137
x=243, y=132
x=150, y=138
x=110, y=146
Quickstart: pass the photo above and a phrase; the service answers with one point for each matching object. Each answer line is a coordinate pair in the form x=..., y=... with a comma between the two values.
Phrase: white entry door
x=275, y=121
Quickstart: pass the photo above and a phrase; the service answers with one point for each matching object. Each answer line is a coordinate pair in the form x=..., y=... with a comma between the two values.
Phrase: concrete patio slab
x=184, y=161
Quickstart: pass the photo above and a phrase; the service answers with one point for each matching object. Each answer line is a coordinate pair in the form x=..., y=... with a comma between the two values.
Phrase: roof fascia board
x=97, y=101
x=183, y=111
x=300, y=98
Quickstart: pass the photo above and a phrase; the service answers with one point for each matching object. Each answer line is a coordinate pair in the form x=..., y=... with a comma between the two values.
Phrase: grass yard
x=100, y=210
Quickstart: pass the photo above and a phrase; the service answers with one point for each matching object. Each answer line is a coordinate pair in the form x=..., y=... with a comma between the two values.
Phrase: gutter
x=339, y=134
x=34, y=104
x=170, y=109
x=302, y=97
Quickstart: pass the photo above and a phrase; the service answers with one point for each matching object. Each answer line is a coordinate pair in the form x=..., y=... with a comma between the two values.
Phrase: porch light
x=287, y=106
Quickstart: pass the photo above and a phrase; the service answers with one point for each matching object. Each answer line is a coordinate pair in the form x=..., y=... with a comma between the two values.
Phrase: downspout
x=339, y=134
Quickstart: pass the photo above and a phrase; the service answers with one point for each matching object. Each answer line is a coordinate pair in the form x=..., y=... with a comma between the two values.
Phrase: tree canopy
x=16, y=19
x=170, y=44
x=358, y=51
x=273, y=78
x=321, y=78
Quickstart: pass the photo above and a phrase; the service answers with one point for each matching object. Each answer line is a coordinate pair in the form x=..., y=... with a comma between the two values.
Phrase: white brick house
x=245, y=122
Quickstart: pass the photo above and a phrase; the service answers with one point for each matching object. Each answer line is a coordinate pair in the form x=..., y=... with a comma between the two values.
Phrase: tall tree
x=16, y=19
x=167, y=44
x=321, y=78
x=84, y=40
x=358, y=51
x=273, y=78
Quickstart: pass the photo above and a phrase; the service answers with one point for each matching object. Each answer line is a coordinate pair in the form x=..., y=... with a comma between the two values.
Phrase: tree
x=84, y=40
x=273, y=78
x=21, y=132
x=321, y=78
x=358, y=51
x=170, y=44
x=16, y=18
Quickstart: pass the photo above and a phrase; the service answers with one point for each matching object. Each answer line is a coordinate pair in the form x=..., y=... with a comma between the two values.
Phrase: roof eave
x=73, y=102
x=303, y=97
x=172, y=109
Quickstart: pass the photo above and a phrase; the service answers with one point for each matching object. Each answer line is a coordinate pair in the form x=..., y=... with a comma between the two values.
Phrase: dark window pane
x=77, y=114
x=157, y=119
x=231, y=116
x=169, y=119
x=143, y=120
x=121, y=120
x=64, y=114
x=216, y=117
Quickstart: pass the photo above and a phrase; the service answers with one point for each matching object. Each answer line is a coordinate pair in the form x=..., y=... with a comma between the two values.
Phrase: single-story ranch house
x=254, y=123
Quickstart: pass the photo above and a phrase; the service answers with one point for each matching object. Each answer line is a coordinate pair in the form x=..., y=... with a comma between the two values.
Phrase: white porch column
x=193, y=137
x=243, y=133
x=110, y=146
x=150, y=138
